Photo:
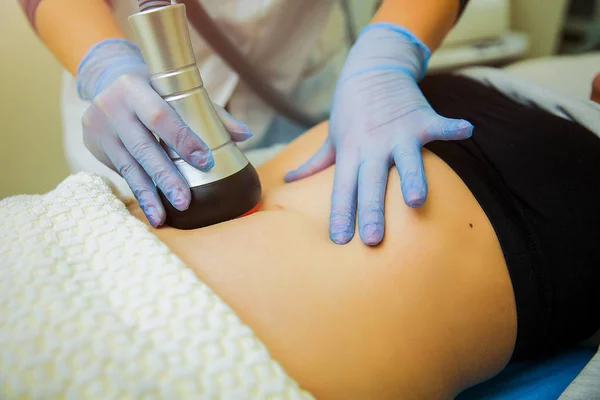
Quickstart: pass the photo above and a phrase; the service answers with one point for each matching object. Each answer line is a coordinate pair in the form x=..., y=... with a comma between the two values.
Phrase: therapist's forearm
x=429, y=20
x=69, y=28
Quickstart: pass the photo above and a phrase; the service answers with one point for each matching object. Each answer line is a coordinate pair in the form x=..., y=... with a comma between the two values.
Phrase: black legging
x=536, y=177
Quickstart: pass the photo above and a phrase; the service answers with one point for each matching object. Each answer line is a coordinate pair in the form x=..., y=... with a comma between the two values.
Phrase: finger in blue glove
x=379, y=117
x=126, y=113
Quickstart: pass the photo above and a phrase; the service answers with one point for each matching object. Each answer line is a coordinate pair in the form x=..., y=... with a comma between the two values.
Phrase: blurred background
x=30, y=137
x=494, y=32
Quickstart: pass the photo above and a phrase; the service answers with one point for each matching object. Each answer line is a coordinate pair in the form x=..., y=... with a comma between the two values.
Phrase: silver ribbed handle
x=163, y=37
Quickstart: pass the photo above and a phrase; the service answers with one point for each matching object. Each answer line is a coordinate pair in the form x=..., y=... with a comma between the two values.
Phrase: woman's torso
x=306, y=297
x=334, y=315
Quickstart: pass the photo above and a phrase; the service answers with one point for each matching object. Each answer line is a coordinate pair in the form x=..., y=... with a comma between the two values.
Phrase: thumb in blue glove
x=126, y=113
x=379, y=117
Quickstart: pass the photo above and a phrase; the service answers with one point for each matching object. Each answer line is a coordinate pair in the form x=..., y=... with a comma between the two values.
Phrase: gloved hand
x=118, y=127
x=379, y=117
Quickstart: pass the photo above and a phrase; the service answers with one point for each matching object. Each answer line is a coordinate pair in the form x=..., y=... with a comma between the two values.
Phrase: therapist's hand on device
x=379, y=117
x=118, y=127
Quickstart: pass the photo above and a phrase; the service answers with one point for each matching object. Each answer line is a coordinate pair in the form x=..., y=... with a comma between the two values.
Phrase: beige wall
x=542, y=21
x=31, y=159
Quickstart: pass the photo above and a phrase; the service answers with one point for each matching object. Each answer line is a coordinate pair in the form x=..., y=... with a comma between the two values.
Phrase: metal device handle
x=163, y=37
x=231, y=188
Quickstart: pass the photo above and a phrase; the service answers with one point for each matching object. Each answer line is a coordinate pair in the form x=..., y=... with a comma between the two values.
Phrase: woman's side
x=424, y=315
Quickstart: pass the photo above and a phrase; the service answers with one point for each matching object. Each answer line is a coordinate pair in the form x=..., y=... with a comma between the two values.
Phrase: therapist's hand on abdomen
x=118, y=127
x=379, y=117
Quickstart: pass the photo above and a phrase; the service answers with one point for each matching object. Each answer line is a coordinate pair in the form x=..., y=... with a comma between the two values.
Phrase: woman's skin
x=424, y=315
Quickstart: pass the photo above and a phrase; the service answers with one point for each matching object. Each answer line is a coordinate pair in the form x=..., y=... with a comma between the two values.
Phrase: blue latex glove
x=118, y=127
x=379, y=117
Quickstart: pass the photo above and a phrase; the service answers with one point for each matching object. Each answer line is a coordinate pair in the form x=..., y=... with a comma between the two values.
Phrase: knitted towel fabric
x=94, y=306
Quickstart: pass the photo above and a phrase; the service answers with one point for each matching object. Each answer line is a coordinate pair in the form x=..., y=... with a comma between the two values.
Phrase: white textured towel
x=93, y=305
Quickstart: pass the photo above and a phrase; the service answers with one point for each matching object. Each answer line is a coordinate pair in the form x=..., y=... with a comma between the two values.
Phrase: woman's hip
x=534, y=174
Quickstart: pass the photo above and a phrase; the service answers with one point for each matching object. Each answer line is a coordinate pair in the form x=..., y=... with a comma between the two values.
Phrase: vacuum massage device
x=231, y=188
